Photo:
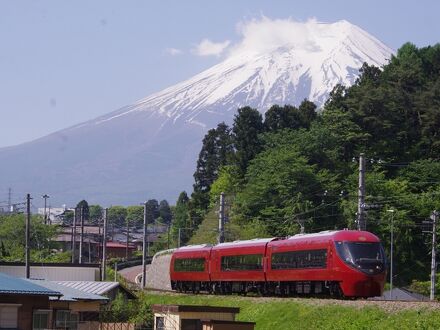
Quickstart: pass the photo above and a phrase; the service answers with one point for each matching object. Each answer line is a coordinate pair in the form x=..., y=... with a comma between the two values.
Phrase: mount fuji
x=149, y=149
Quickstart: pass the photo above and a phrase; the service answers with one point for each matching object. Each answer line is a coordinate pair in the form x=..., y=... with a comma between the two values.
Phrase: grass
x=294, y=314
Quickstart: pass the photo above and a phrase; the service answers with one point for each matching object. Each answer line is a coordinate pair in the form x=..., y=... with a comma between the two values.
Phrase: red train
x=342, y=263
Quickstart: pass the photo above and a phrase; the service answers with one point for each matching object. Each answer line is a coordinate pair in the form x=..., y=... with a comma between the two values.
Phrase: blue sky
x=64, y=62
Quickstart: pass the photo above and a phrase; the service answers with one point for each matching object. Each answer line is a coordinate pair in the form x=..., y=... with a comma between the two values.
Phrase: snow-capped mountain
x=149, y=149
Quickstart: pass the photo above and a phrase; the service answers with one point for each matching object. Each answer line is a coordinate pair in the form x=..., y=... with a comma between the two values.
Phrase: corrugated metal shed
x=100, y=288
x=14, y=285
x=68, y=293
x=90, y=286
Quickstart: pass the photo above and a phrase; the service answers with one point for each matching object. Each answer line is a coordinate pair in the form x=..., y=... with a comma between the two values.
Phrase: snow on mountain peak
x=276, y=62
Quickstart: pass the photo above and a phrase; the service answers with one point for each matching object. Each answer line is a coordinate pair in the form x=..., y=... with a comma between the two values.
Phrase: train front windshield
x=365, y=256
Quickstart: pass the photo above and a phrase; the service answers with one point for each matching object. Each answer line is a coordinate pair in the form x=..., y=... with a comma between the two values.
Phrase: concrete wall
x=53, y=273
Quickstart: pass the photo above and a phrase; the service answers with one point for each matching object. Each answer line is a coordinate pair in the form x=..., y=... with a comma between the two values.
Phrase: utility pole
x=74, y=235
x=104, y=245
x=127, y=239
x=168, y=237
x=28, y=236
x=81, y=237
x=178, y=238
x=433, y=254
x=144, y=248
x=221, y=219
x=391, y=251
x=45, y=196
x=361, y=222
x=9, y=199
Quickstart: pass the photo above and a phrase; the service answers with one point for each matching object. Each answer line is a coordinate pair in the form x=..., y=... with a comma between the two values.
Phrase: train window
x=189, y=265
x=242, y=262
x=299, y=259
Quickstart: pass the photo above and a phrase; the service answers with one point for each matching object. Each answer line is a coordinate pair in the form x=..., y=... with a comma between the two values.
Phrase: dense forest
x=300, y=164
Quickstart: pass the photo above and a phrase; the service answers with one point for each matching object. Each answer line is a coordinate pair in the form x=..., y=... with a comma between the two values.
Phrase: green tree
x=152, y=210
x=95, y=213
x=217, y=149
x=83, y=207
x=12, y=238
x=281, y=187
x=135, y=215
x=181, y=219
x=248, y=124
x=117, y=215
x=165, y=212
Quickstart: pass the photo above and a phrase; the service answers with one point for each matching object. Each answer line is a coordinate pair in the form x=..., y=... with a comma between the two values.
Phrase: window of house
x=8, y=316
x=65, y=319
x=40, y=320
x=160, y=323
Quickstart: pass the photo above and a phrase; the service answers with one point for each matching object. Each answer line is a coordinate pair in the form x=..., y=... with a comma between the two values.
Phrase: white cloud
x=207, y=47
x=260, y=35
x=173, y=51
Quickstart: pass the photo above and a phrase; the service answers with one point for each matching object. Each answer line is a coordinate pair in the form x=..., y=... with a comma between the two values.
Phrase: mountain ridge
x=148, y=149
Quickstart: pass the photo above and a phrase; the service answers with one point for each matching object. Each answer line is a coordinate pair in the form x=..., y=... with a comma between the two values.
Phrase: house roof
x=14, y=285
x=99, y=288
x=119, y=245
x=193, y=308
x=68, y=293
x=93, y=287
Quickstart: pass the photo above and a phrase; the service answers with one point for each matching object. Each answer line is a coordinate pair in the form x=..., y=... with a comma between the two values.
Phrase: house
x=23, y=304
x=73, y=309
x=191, y=317
x=119, y=250
x=55, y=215
x=106, y=289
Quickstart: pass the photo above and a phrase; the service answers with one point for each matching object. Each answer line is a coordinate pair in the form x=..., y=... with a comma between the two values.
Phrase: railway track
x=391, y=306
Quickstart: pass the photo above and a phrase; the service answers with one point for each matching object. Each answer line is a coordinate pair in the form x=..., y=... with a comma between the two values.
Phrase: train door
x=330, y=260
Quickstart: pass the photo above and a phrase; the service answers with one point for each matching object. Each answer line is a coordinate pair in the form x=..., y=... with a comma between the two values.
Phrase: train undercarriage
x=296, y=288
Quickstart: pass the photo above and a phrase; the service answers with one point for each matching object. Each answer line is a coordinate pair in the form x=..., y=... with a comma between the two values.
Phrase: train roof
x=193, y=247
x=255, y=241
x=337, y=235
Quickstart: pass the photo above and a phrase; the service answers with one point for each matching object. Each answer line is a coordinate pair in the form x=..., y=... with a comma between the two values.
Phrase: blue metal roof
x=14, y=285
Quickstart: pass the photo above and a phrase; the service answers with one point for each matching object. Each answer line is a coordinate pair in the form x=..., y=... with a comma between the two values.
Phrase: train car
x=342, y=263
x=189, y=268
x=239, y=266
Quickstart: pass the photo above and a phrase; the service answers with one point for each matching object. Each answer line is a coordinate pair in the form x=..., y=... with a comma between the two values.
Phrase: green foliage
x=280, y=184
x=181, y=220
x=135, y=215
x=117, y=215
x=123, y=310
x=83, y=207
x=227, y=182
x=165, y=213
x=248, y=124
x=216, y=151
x=12, y=238
x=95, y=214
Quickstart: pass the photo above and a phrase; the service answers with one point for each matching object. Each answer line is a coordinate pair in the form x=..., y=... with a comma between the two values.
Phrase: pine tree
x=165, y=212
x=216, y=151
x=248, y=124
